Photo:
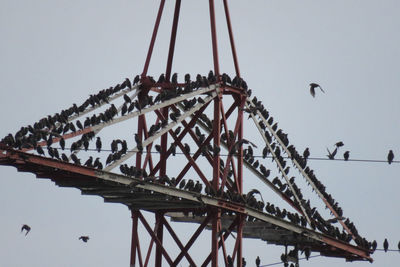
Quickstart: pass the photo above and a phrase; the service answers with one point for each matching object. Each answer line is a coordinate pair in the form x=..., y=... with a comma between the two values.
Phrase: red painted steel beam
x=192, y=162
x=215, y=213
x=178, y=242
x=192, y=240
x=214, y=37
x=240, y=136
x=141, y=123
x=154, y=236
x=135, y=240
x=233, y=48
x=153, y=38
x=183, y=133
x=225, y=236
x=146, y=261
x=172, y=40
x=164, y=142
x=160, y=235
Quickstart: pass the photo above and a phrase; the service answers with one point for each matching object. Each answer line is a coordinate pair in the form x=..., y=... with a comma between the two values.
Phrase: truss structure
x=202, y=122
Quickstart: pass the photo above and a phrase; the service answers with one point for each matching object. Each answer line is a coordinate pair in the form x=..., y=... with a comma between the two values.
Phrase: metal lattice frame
x=210, y=212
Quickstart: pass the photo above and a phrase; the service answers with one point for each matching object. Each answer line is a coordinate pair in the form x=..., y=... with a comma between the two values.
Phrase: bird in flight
x=312, y=88
x=84, y=238
x=25, y=227
x=331, y=155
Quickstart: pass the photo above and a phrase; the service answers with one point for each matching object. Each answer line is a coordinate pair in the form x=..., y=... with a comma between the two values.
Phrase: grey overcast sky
x=54, y=53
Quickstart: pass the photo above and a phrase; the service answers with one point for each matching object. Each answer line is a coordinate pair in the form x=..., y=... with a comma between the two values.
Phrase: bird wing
x=321, y=89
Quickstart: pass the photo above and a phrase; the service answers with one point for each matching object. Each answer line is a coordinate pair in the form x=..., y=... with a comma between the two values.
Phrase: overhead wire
x=270, y=157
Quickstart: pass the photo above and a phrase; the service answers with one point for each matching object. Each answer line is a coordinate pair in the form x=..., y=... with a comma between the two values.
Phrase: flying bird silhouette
x=312, y=88
x=333, y=154
x=25, y=227
x=84, y=238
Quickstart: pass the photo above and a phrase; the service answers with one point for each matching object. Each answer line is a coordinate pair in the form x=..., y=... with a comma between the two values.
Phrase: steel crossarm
x=281, y=169
x=161, y=132
x=302, y=170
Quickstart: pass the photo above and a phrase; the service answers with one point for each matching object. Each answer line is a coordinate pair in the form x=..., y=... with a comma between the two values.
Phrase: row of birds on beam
x=59, y=124
x=272, y=133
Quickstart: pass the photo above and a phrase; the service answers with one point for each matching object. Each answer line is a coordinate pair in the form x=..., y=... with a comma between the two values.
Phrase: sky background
x=55, y=53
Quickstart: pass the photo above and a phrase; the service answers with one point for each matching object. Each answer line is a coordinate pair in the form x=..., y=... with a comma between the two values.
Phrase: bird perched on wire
x=312, y=88
x=385, y=245
x=98, y=144
x=84, y=238
x=346, y=155
x=390, y=157
x=306, y=153
x=25, y=227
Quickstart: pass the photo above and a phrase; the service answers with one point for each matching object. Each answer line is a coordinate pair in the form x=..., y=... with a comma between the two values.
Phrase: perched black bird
x=374, y=245
x=127, y=98
x=158, y=148
x=177, y=130
x=187, y=148
x=174, y=78
x=385, y=245
x=306, y=153
x=79, y=125
x=75, y=159
x=333, y=154
x=84, y=238
x=346, y=155
x=64, y=157
x=89, y=162
x=307, y=253
x=312, y=88
x=390, y=157
x=258, y=261
x=25, y=227
x=96, y=163
x=161, y=79
x=98, y=144
x=39, y=149
x=136, y=79
x=398, y=246
x=62, y=143
x=265, y=152
x=128, y=83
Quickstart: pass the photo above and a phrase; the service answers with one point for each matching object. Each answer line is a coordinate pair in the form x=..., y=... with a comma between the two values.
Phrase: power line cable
x=270, y=157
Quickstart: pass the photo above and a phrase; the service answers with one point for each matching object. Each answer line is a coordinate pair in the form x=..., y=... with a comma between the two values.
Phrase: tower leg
x=134, y=238
x=214, y=238
x=160, y=228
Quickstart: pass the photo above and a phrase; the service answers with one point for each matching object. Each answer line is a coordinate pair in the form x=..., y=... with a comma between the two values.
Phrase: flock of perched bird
x=51, y=129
